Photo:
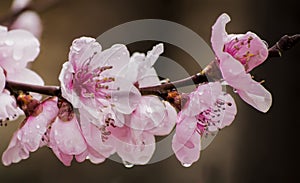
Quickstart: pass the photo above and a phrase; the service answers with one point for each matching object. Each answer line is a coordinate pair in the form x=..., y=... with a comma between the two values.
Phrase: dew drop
x=18, y=53
x=38, y=126
x=127, y=164
x=115, y=99
x=235, y=91
x=76, y=48
x=191, y=126
x=186, y=165
x=9, y=42
x=4, y=55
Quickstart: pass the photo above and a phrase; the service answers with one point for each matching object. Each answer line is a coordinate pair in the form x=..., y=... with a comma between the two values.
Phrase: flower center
x=210, y=119
x=90, y=83
x=240, y=49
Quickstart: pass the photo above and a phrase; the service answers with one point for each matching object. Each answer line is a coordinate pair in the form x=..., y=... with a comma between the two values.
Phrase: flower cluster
x=101, y=111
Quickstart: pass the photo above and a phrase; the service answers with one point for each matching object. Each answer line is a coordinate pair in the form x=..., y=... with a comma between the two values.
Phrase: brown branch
x=46, y=90
x=285, y=43
x=39, y=7
x=209, y=73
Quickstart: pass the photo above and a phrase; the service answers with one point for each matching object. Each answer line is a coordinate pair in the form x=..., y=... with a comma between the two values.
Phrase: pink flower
x=8, y=108
x=29, y=20
x=66, y=140
x=207, y=110
x=29, y=136
x=2, y=80
x=135, y=142
x=90, y=80
x=17, y=48
x=51, y=124
x=140, y=67
x=98, y=149
x=237, y=55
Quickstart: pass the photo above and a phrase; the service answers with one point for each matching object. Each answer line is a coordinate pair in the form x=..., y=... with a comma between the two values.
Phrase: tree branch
x=209, y=73
x=285, y=43
x=46, y=90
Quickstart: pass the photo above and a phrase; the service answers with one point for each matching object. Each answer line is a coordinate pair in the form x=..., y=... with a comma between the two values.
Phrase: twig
x=285, y=43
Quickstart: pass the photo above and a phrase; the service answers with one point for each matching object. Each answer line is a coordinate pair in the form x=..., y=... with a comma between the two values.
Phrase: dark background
x=256, y=148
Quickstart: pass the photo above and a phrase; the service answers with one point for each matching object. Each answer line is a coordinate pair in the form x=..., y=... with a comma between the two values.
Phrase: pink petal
x=19, y=48
x=202, y=98
x=94, y=156
x=2, y=80
x=168, y=123
x=8, y=107
x=153, y=55
x=149, y=114
x=29, y=21
x=249, y=90
x=92, y=135
x=116, y=56
x=27, y=76
x=66, y=159
x=82, y=50
x=66, y=83
x=230, y=110
x=185, y=128
x=257, y=96
x=31, y=134
x=137, y=150
x=125, y=96
x=219, y=35
x=149, y=78
x=188, y=152
x=248, y=49
x=19, y=4
x=66, y=137
x=15, y=152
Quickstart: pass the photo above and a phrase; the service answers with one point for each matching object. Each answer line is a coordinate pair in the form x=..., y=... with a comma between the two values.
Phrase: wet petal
x=32, y=132
x=18, y=48
x=137, y=150
x=93, y=136
x=8, y=108
x=2, y=80
x=15, y=152
x=188, y=152
x=257, y=96
x=168, y=122
x=66, y=137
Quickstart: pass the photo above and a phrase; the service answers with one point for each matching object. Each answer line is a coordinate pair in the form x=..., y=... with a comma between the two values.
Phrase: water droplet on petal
x=9, y=42
x=235, y=90
x=4, y=55
x=18, y=53
x=191, y=126
x=127, y=164
x=76, y=48
x=115, y=99
x=38, y=126
x=186, y=165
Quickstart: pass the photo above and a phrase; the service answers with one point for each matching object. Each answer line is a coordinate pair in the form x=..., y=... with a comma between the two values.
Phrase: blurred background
x=256, y=148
